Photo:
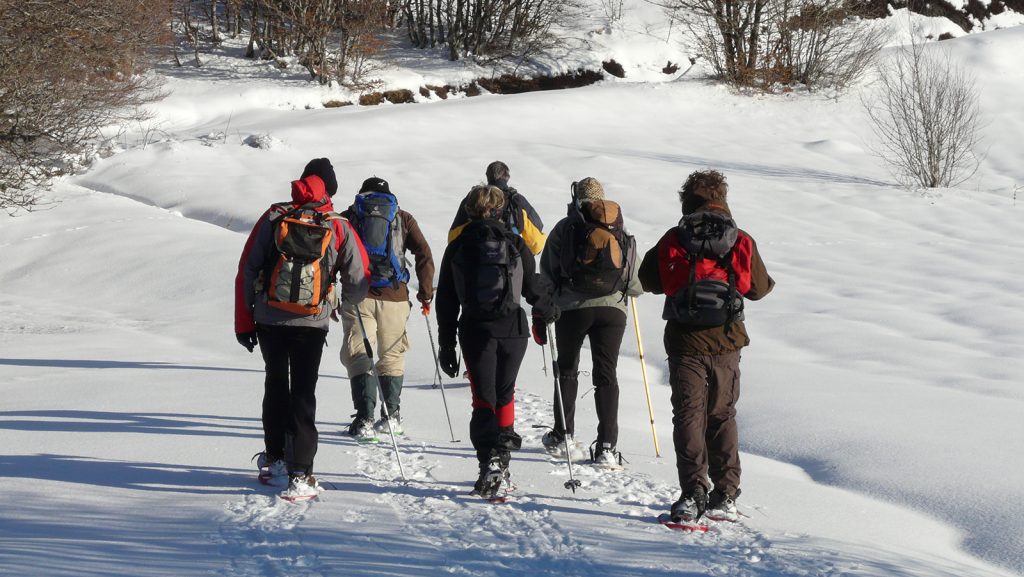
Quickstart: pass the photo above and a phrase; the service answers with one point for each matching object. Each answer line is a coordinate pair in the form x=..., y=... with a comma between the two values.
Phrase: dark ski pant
x=292, y=359
x=605, y=327
x=705, y=389
x=493, y=365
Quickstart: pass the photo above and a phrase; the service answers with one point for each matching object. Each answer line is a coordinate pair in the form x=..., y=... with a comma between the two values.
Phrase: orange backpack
x=300, y=276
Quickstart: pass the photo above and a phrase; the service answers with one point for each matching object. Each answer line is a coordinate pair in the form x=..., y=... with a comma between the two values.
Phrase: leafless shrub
x=485, y=28
x=926, y=115
x=764, y=43
x=333, y=39
x=69, y=68
x=819, y=43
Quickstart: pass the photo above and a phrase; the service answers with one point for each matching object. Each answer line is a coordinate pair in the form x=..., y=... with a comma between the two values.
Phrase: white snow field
x=881, y=411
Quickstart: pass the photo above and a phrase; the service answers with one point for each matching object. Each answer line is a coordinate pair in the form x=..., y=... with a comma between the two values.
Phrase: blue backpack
x=383, y=235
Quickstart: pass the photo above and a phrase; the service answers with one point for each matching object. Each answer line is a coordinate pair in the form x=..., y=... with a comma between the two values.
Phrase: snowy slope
x=880, y=418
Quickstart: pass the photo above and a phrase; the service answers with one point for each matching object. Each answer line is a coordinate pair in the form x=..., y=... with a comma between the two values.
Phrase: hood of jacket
x=691, y=207
x=310, y=189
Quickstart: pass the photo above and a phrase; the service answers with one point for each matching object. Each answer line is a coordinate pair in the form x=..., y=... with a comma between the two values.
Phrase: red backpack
x=704, y=264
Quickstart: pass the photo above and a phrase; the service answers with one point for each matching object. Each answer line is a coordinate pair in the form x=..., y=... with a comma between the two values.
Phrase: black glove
x=551, y=315
x=247, y=340
x=449, y=362
x=540, y=331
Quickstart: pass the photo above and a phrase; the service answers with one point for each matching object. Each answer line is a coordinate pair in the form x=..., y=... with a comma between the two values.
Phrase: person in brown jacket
x=705, y=267
x=387, y=232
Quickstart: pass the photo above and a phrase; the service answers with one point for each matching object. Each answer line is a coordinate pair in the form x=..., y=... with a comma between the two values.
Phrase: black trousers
x=292, y=360
x=493, y=365
x=605, y=327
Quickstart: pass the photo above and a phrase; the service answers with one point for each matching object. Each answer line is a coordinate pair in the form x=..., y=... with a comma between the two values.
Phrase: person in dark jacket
x=384, y=313
x=601, y=318
x=704, y=360
x=483, y=274
x=292, y=342
x=517, y=212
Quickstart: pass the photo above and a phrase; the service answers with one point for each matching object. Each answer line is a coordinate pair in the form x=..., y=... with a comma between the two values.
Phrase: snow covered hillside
x=881, y=402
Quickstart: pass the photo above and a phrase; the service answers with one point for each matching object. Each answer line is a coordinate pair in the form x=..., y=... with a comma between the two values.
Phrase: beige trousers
x=385, y=327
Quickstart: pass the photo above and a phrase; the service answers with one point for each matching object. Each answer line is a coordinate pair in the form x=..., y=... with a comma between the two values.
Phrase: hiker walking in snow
x=387, y=232
x=517, y=213
x=705, y=267
x=284, y=295
x=484, y=274
x=590, y=261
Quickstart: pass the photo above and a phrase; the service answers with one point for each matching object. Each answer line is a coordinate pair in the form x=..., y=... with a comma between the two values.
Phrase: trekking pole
x=572, y=483
x=437, y=371
x=643, y=369
x=544, y=354
x=380, y=389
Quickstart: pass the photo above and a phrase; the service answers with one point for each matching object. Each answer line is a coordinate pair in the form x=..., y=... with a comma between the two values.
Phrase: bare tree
x=926, y=116
x=69, y=68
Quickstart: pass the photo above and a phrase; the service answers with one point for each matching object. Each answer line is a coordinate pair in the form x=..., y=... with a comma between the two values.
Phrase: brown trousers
x=705, y=389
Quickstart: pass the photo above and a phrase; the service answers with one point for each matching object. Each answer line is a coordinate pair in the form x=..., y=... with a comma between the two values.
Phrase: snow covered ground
x=881, y=411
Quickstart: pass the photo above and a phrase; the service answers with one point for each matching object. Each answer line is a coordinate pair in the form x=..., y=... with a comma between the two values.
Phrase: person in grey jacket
x=599, y=317
x=291, y=335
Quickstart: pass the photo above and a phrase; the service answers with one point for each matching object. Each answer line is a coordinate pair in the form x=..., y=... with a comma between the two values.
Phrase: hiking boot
x=393, y=424
x=301, y=488
x=494, y=475
x=722, y=506
x=606, y=456
x=272, y=470
x=690, y=506
x=361, y=428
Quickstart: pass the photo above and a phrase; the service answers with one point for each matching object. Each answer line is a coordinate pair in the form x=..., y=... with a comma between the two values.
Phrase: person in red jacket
x=291, y=330
x=705, y=267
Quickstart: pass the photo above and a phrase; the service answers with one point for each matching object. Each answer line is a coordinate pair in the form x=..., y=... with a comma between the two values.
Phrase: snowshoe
x=301, y=488
x=722, y=507
x=271, y=471
x=362, y=429
x=606, y=457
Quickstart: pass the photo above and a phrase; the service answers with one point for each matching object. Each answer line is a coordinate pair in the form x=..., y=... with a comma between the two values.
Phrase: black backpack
x=706, y=297
x=488, y=271
x=596, y=262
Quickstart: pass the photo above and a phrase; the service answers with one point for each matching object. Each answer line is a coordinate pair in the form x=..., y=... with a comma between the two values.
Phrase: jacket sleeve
x=416, y=243
x=533, y=227
x=254, y=255
x=650, y=277
x=760, y=283
x=634, y=287
x=550, y=265
x=353, y=265
x=537, y=290
x=460, y=222
x=446, y=300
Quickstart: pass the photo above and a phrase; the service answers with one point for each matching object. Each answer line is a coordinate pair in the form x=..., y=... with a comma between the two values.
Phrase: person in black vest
x=484, y=274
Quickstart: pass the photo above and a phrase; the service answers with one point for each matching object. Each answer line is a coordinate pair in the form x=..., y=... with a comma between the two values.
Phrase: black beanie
x=322, y=168
x=374, y=184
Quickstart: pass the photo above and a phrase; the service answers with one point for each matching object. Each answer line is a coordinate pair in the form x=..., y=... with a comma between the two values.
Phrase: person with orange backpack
x=284, y=297
x=705, y=267
x=590, y=260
